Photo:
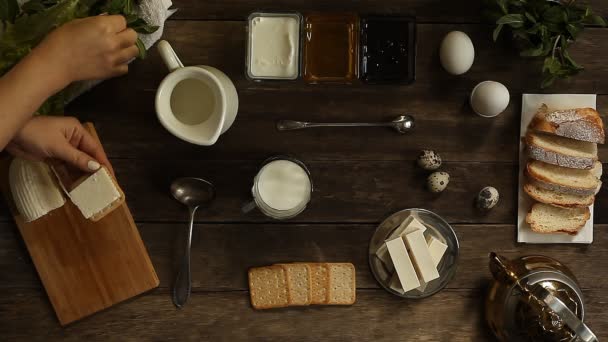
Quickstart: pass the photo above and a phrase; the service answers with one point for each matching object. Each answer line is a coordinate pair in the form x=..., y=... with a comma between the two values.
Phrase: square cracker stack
x=268, y=287
x=302, y=284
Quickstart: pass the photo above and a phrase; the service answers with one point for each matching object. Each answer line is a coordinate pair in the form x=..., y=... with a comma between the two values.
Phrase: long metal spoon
x=402, y=124
x=193, y=193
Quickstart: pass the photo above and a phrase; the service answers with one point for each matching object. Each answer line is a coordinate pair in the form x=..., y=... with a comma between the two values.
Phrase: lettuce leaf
x=22, y=31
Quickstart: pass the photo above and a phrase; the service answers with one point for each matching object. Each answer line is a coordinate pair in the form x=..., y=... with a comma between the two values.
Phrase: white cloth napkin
x=530, y=104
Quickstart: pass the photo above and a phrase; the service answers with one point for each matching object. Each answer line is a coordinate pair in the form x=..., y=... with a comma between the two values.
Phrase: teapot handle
x=169, y=56
x=581, y=330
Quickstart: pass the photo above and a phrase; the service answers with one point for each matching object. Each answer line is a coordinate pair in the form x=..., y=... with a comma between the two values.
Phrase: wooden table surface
x=361, y=176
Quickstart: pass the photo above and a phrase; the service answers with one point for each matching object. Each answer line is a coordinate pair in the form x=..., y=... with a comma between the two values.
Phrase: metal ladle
x=402, y=124
x=193, y=193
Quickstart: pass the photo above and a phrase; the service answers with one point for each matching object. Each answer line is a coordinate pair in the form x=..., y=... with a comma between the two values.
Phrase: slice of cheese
x=421, y=256
x=95, y=194
x=408, y=225
x=33, y=188
x=437, y=250
x=403, y=265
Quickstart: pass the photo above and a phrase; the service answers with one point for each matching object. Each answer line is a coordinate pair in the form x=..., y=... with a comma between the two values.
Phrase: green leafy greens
x=543, y=28
x=21, y=29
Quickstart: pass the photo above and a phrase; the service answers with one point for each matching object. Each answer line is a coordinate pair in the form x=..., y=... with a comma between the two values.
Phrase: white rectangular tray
x=530, y=104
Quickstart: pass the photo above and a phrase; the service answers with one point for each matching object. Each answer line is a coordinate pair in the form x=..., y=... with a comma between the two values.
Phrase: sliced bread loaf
x=584, y=124
x=564, y=180
x=561, y=151
x=560, y=200
x=544, y=218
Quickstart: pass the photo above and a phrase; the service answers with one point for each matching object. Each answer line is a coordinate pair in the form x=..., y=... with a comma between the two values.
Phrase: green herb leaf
x=8, y=10
x=513, y=20
x=141, y=48
x=497, y=31
x=141, y=26
x=533, y=52
x=530, y=17
x=548, y=81
x=129, y=8
x=597, y=20
x=554, y=14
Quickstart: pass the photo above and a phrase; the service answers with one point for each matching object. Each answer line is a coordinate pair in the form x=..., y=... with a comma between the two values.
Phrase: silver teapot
x=535, y=298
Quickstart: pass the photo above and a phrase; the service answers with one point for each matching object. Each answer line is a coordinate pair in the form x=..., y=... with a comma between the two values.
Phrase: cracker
x=342, y=287
x=268, y=287
x=319, y=279
x=298, y=283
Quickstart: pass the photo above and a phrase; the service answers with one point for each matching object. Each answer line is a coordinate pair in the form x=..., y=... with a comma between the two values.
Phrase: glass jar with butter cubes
x=414, y=253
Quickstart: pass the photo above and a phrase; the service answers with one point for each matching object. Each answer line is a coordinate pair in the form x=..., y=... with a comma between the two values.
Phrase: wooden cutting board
x=85, y=266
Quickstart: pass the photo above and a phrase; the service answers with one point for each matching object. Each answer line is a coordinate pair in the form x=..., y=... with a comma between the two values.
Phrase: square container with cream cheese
x=273, y=51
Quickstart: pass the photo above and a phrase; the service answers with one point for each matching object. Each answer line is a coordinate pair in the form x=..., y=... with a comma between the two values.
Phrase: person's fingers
x=114, y=23
x=126, y=55
x=91, y=146
x=120, y=70
x=17, y=151
x=127, y=38
x=70, y=154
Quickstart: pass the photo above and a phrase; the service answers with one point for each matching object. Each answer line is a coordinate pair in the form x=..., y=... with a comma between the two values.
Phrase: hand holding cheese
x=63, y=138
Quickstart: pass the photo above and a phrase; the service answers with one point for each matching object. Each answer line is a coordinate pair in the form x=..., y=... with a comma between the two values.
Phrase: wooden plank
x=426, y=10
x=222, y=253
x=123, y=109
x=85, y=266
x=355, y=192
x=344, y=191
x=452, y=315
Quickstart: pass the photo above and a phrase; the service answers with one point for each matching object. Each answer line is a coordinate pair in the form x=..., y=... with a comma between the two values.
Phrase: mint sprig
x=543, y=28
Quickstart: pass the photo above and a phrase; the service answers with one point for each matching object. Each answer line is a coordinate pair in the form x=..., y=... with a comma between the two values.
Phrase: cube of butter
x=421, y=256
x=403, y=264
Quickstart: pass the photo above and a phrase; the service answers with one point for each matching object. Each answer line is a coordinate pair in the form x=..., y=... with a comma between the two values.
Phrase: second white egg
x=457, y=53
x=489, y=98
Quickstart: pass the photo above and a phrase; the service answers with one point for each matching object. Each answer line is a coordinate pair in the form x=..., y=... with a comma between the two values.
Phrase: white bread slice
x=564, y=180
x=97, y=195
x=561, y=151
x=584, y=124
x=559, y=200
x=544, y=218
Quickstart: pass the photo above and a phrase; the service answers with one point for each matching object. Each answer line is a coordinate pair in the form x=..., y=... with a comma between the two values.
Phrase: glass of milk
x=282, y=188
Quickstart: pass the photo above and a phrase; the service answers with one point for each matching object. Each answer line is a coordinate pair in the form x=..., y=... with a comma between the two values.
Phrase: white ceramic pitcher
x=221, y=91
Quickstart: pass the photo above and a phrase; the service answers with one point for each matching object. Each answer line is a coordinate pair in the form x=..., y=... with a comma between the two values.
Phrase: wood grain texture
x=452, y=315
x=361, y=177
x=345, y=191
x=437, y=100
x=425, y=10
x=218, y=264
x=85, y=266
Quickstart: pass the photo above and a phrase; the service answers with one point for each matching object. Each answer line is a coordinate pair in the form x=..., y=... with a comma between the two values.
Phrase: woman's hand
x=91, y=48
x=61, y=138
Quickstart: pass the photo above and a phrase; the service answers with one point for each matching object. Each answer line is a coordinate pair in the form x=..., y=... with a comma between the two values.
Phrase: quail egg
x=429, y=160
x=438, y=181
x=487, y=198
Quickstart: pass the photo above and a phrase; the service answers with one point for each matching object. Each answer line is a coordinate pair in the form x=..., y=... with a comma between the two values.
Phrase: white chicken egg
x=457, y=53
x=489, y=98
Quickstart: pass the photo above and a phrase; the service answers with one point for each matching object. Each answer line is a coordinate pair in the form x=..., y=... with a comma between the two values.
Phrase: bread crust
x=584, y=124
x=545, y=183
x=528, y=188
x=553, y=157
